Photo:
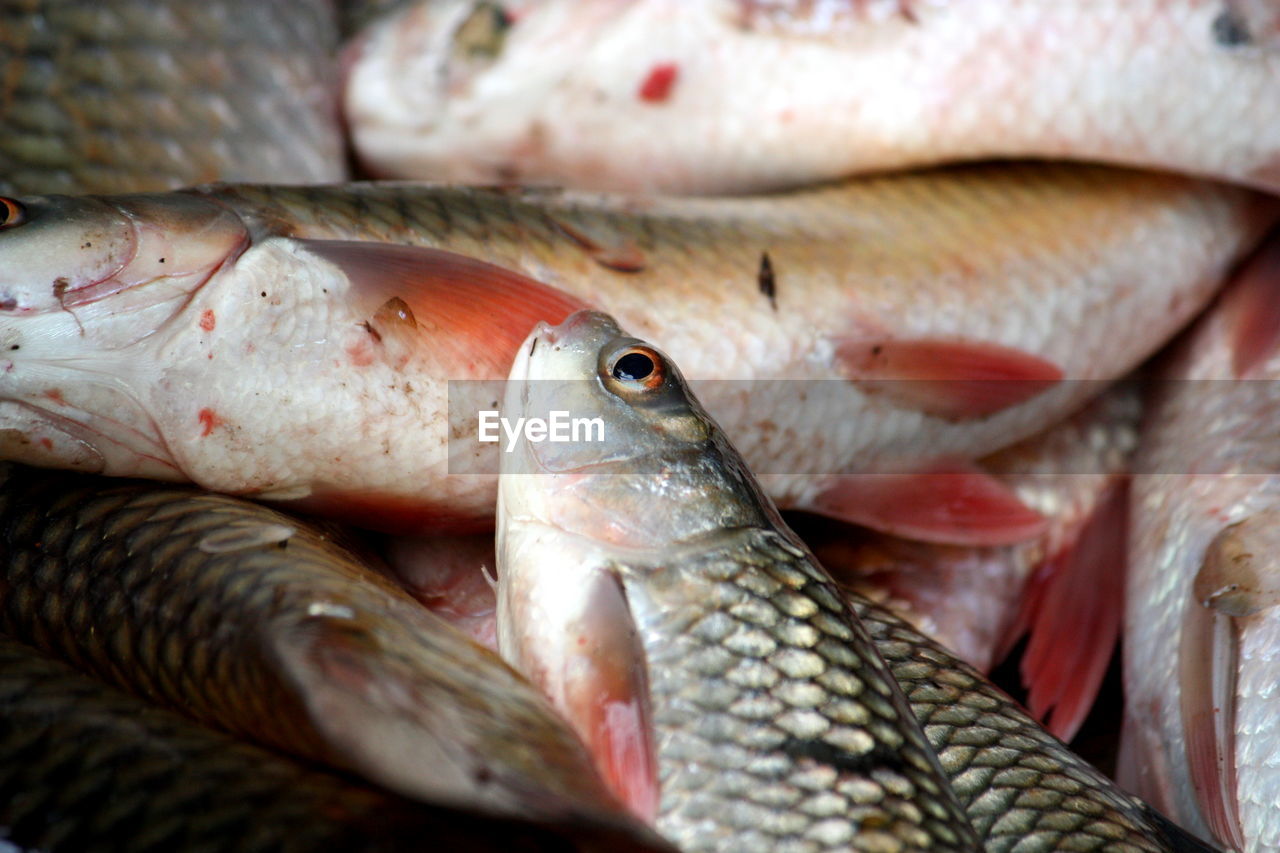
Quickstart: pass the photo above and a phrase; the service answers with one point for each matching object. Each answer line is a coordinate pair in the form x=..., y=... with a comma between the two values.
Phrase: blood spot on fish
x=1230, y=30
x=8, y=303
x=56, y=396
x=207, y=320
x=208, y=420
x=657, y=86
x=361, y=353
x=46, y=444
x=766, y=280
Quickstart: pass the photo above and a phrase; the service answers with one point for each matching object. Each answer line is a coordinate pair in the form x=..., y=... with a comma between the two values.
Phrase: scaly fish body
x=1201, y=625
x=1063, y=588
x=86, y=767
x=1023, y=789
x=251, y=622
x=124, y=97
x=258, y=361
x=718, y=96
x=644, y=581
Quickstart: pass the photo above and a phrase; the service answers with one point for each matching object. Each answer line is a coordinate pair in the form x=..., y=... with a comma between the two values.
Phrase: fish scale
x=1022, y=788
x=251, y=622
x=132, y=95
x=792, y=725
x=86, y=767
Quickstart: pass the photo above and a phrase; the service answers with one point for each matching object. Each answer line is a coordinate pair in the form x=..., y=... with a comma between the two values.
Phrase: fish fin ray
x=952, y=379
x=611, y=703
x=1207, y=665
x=473, y=313
x=948, y=503
x=1072, y=611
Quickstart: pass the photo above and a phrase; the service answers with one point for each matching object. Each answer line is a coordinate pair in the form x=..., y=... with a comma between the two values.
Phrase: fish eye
x=12, y=213
x=482, y=33
x=637, y=369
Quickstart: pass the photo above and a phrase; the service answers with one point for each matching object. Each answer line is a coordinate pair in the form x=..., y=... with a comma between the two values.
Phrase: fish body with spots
x=297, y=344
x=716, y=96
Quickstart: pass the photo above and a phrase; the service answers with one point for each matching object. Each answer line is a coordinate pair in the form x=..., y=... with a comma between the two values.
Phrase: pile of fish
x=985, y=296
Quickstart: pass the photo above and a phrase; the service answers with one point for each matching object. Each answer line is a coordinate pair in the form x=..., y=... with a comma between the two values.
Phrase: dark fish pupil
x=632, y=367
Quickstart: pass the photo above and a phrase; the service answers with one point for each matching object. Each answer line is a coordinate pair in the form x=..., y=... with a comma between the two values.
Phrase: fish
x=1062, y=589
x=741, y=96
x=86, y=766
x=651, y=590
x=1200, y=618
x=122, y=97
x=977, y=602
x=267, y=628
x=644, y=580
x=327, y=348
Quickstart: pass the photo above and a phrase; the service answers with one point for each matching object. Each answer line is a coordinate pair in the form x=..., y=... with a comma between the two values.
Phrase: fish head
x=59, y=253
x=610, y=404
x=454, y=88
x=82, y=279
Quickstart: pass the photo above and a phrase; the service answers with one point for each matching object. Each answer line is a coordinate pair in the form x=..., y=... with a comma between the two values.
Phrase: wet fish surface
x=652, y=591
x=254, y=623
x=647, y=574
x=1023, y=789
x=1200, y=620
x=716, y=96
x=86, y=767
x=1063, y=589
x=939, y=316
x=128, y=95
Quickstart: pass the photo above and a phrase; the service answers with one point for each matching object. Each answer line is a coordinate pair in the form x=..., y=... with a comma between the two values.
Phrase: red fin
x=473, y=314
x=952, y=504
x=1252, y=307
x=1072, y=608
x=956, y=380
x=607, y=695
x=1207, y=663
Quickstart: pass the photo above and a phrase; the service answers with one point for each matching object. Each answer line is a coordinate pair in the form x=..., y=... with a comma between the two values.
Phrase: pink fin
x=608, y=696
x=1252, y=307
x=954, y=504
x=1207, y=664
x=473, y=315
x=1072, y=608
x=956, y=380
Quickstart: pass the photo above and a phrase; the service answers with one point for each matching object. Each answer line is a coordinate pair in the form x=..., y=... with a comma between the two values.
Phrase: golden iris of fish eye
x=13, y=213
x=650, y=382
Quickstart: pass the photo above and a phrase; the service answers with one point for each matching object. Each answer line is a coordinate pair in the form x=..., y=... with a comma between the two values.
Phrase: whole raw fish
x=221, y=335
x=128, y=95
x=714, y=96
x=653, y=592
x=86, y=767
x=1064, y=588
x=656, y=595
x=1201, y=623
x=252, y=622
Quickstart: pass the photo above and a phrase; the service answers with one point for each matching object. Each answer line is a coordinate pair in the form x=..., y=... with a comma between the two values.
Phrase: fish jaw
x=72, y=391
